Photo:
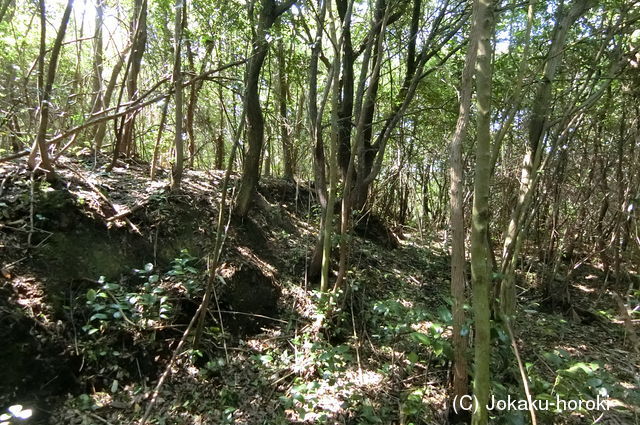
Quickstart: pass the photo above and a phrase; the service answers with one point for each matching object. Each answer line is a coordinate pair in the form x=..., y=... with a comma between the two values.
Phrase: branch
x=96, y=118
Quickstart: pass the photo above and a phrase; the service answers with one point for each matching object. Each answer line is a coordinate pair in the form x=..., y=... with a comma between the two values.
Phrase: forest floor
x=92, y=309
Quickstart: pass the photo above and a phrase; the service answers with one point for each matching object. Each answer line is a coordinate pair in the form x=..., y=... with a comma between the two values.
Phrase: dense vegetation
x=354, y=212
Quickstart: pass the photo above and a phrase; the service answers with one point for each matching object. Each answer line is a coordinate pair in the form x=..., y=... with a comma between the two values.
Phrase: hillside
x=92, y=309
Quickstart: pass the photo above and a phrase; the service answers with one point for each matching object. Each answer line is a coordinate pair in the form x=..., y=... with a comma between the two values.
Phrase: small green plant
x=112, y=304
x=574, y=381
x=183, y=265
x=413, y=406
x=395, y=322
x=302, y=398
x=129, y=314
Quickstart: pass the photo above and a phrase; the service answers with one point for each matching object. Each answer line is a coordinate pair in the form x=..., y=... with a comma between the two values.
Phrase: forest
x=356, y=212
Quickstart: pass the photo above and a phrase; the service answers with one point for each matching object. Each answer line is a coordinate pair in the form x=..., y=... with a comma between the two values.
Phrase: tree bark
x=315, y=130
x=480, y=267
x=532, y=157
x=124, y=142
x=108, y=93
x=98, y=59
x=285, y=125
x=327, y=228
x=255, y=122
x=193, y=94
x=220, y=139
x=176, y=175
x=456, y=195
x=40, y=143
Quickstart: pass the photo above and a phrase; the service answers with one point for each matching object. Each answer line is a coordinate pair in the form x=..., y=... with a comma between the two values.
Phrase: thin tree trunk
x=220, y=139
x=622, y=199
x=102, y=127
x=193, y=94
x=315, y=130
x=98, y=59
x=124, y=141
x=40, y=143
x=327, y=229
x=176, y=175
x=456, y=195
x=43, y=48
x=480, y=267
x=156, y=147
x=285, y=127
x=255, y=121
x=533, y=154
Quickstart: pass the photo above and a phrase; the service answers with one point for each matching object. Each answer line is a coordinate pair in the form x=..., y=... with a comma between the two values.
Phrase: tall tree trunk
x=43, y=48
x=345, y=100
x=480, y=267
x=176, y=175
x=255, y=122
x=98, y=59
x=124, y=142
x=315, y=130
x=622, y=199
x=285, y=126
x=193, y=94
x=108, y=93
x=220, y=139
x=40, y=143
x=533, y=154
x=456, y=199
x=327, y=228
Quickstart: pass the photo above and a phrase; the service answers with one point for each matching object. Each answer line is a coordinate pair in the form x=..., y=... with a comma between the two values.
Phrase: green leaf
x=587, y=368
x=98, y=316
x=91, y=295
x=438, y=348
x=444, y=314
x=423, y=339
x=553, y=358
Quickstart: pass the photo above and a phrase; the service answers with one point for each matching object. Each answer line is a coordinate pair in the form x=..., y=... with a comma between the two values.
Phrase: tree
x=180, y=12
x=533, y=155
x=40, y=145
x=285, y=125
x=269, y=12
x=124, y=143
x=98, y=64
x=480, y=257
x=456, y=172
